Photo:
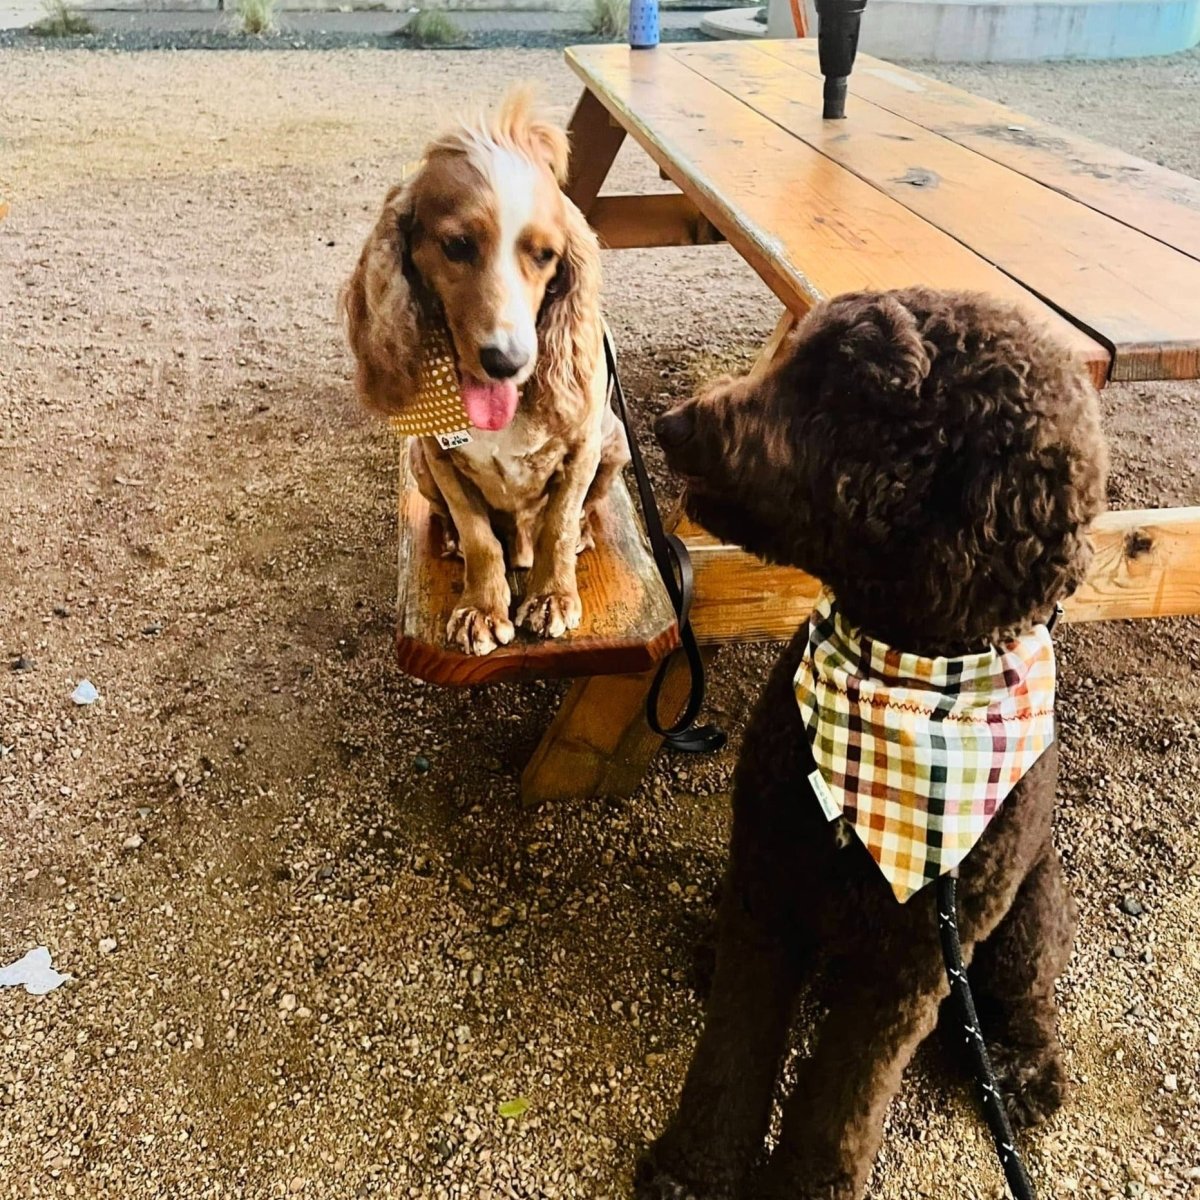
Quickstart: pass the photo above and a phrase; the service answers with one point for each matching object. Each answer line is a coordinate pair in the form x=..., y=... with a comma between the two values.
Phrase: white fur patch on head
x=514, y=180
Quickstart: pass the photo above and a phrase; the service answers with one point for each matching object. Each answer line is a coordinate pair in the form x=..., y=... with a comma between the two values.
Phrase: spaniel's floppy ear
x=381, y=312
x=569, y=323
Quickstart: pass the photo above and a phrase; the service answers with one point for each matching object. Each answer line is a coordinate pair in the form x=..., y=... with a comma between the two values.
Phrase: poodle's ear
x=381, y=311
x=569, y=323
x=873, y=343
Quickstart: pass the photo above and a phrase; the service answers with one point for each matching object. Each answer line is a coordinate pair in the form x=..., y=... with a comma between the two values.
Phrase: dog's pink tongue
x=490, y=404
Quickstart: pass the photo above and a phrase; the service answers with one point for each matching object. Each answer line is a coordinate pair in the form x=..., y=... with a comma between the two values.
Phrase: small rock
x=132, y=842
x=476, y=975
x=464, y=882
x=1171, y=1083
x=502, y=918
x=180, y=778
x=288, y=1003
x=297, y=1185
x=152, y=630
x=325, y=873
x=22, y=663
x=420, y=764
x=61, y=610
x=1131, y=906
x=107, y=945
x=1133, y=1188
x=1117, y=952
x=1148, y=956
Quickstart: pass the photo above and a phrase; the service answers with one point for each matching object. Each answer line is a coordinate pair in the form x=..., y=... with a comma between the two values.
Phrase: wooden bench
x=923, y=184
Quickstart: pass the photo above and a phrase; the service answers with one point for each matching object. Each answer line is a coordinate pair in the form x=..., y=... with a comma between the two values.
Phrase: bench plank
x=809, y=227
x=1147, y=564
x=1134, y=293
x=628, y=623
x=1153, y=199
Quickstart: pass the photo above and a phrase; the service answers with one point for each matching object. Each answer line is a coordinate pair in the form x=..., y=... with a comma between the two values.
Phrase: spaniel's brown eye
x=544, y=257
x=459, y=249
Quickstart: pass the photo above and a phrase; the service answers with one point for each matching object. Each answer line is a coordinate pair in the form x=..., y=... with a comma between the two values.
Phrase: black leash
x=994, y=1111
x=675, y=567
x=993, y=1103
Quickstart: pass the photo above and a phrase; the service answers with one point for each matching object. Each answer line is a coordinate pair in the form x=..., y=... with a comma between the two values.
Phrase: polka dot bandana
x=918, y=754
x=437, y=408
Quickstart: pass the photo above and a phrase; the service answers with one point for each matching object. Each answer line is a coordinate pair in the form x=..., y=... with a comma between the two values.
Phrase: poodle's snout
x=675, y=428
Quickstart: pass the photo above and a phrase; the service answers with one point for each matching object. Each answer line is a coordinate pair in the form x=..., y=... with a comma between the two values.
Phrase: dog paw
x=653, y=1183
x=550, y=614
x=474, y=631
x=1032, y=1082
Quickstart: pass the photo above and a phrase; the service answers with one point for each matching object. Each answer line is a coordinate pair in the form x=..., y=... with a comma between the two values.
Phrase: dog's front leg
x=833, y=1119
x=711, y=1143
x=552, y=605
x=481, y=622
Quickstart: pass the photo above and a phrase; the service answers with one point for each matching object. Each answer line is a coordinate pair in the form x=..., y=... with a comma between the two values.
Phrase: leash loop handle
x=675, y=566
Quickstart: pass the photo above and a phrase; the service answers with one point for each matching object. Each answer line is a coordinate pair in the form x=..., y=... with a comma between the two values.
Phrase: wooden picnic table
x=924, y=184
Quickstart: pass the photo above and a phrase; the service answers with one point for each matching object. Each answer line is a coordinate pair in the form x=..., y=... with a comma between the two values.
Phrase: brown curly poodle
x=936, y=461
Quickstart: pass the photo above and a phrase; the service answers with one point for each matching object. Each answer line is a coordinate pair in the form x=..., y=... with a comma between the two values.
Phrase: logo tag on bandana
x=918, y=754
x=829, y=806
x=452, y=441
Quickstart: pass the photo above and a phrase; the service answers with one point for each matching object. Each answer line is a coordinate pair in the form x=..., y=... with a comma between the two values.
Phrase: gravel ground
x=316, y=941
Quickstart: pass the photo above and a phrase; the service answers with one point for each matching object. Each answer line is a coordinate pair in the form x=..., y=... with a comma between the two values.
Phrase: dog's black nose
x=676, y=427
x=498, y=364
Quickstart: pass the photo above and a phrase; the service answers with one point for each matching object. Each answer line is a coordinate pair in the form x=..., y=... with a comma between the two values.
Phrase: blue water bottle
x=643, y=24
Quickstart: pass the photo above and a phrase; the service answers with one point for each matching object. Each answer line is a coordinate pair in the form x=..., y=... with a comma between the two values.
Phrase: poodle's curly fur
x=935, y=460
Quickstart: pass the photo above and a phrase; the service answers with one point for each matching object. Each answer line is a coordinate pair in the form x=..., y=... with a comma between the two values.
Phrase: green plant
x=610, y=18
x=432, y=29
x=61, y=21
x=256, y=16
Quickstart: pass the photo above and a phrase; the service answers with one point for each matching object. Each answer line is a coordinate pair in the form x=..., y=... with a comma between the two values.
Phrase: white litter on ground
x=34, y=972
x=85, y=693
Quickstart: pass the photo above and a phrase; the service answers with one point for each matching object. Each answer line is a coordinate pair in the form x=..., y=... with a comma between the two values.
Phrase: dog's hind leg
x=711, y=1143
x=833, y=1120
x=1013, y=978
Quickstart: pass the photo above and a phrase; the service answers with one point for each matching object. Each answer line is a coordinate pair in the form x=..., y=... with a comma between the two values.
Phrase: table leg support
x=599, y=743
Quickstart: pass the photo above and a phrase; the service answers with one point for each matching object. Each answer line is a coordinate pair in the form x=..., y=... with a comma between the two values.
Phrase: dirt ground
x=303, y=964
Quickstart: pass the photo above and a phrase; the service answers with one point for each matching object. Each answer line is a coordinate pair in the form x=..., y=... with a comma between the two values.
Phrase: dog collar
x=918, y=754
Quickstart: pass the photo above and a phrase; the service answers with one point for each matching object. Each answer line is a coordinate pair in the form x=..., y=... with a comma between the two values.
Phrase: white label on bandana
x=829, y=806
x=452, y=441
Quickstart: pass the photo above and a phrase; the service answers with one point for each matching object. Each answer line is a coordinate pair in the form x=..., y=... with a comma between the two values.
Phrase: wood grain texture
x=1147, y=564
x=595, y=140
x=1133, y=293
x=624, y=222
x=1156, y=200
x=628, y=623
x=599, y=743
x=809, y=227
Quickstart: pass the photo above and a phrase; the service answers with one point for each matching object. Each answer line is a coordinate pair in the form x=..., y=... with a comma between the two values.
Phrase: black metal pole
x=838, y=23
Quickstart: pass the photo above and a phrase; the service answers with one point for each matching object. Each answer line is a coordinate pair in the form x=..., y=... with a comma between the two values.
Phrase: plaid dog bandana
x=918, y=753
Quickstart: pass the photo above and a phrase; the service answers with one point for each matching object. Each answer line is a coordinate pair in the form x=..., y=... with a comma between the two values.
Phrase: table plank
x=809, y=227
x=1132, y=292
x=1147, y=564
x=1160, y=202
